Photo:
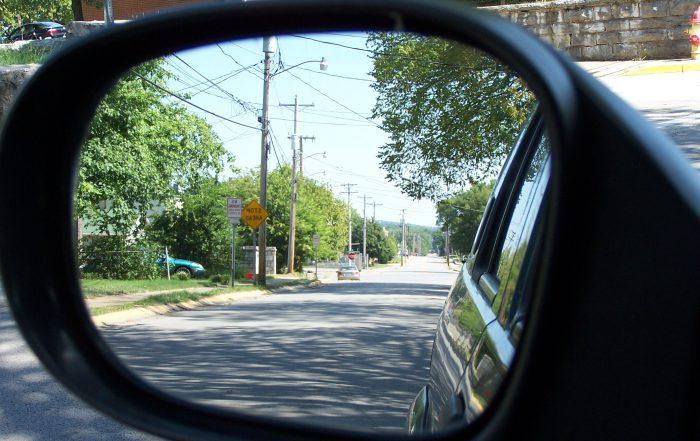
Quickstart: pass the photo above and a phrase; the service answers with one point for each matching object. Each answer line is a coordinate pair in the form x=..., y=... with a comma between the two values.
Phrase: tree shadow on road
x=347, y=355
x=681, y=124
x=34, y=406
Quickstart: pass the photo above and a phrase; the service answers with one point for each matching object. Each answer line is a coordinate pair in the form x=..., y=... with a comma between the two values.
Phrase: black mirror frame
x=37, y=176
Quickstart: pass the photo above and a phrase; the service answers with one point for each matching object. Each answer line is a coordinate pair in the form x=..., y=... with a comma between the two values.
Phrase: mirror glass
x=363, y=164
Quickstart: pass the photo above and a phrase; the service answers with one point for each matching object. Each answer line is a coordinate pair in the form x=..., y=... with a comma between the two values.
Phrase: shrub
x=221, y=279
x=182, y=275
x=113, y=257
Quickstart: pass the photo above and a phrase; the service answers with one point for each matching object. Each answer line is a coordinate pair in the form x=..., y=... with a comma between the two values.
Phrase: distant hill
x=423, y=236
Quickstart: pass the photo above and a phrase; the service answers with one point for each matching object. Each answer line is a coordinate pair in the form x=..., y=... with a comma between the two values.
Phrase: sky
x=346, y=138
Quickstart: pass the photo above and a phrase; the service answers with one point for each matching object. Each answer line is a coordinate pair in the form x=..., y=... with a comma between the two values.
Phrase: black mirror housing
x=607, y=163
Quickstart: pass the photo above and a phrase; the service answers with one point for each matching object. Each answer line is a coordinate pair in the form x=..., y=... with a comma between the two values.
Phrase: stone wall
x=608, y=29
x=11, y=78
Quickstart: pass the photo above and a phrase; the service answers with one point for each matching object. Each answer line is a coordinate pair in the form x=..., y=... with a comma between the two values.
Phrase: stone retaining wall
x=598, y=30
x=11, y=78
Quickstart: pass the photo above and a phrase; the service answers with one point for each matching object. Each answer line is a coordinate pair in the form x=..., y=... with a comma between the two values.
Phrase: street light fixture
x=322, y=65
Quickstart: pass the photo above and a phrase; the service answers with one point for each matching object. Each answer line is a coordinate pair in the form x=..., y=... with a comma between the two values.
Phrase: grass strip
x=173, y=298
x=110, y=287
x=170, y=298
x=24, y=55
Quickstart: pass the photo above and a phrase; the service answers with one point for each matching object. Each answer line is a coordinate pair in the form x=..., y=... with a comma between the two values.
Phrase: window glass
x=517, y=235
x=16, y=33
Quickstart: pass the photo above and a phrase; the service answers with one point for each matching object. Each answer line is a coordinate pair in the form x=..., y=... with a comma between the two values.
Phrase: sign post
x=317, y=242
x=254, y=215
x=167, y=262
x=234, y=207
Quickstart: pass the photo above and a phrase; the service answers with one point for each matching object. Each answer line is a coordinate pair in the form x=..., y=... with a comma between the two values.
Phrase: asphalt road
x=670, y=100
x=350, y=354
x=35, y=407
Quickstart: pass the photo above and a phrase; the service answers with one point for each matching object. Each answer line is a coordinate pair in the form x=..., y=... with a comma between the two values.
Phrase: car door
x=15, y=34
x=510, y=278
x=468, y=308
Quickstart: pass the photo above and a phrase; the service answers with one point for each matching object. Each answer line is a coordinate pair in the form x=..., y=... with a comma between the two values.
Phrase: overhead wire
x=255, y=74
x=334, y=100
x=186, y=101
x=239, y=101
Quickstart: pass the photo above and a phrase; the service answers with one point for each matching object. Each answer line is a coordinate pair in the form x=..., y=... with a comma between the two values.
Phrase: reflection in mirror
x=362, y=163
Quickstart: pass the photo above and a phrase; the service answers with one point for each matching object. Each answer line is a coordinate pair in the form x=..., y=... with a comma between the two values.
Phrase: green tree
x=16, y=12
x=422, y=233
x=380, y=244
x=451, y=112
x=196, y=227
x=140, y=148
x=462, y=213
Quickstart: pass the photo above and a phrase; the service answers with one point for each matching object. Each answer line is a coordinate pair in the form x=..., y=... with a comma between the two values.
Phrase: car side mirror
x=607, y=164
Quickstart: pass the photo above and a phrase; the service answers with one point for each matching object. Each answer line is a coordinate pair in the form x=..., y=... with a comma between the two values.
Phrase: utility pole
x=364, y=231
x=403, y=233
x=349, y=215
x=447, y=245
x=108, y=13
x=301, y=151
x=269, y=48
x=374, y=212
x=293, y=209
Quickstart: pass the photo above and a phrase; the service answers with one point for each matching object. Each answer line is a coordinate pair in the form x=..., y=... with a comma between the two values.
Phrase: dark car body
x=484, y=313
x=40, y=30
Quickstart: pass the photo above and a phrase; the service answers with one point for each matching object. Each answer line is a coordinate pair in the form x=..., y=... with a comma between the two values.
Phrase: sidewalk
x=639, y=67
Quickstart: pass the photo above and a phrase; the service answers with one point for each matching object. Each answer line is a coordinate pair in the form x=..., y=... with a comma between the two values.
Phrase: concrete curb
x=686, y=66
x=138, y=313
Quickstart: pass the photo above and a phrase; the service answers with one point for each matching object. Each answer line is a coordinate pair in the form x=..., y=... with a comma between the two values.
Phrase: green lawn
x=110, y=287
x=169, y=299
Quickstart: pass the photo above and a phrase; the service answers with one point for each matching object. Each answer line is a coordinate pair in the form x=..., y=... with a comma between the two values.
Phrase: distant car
x=194, y=269
x=36, y=31
x=348, y=271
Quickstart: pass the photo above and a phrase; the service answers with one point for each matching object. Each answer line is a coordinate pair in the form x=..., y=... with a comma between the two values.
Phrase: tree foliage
x=462, y=213
x=423, y=234
x=16, y=12
x=140, y=148
x=451, y=112
x=380, y=244
x=198, y=228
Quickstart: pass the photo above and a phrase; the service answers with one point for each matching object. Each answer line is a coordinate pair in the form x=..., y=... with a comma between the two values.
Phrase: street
x=348, y=354
x=669, y=100
x=33, y=406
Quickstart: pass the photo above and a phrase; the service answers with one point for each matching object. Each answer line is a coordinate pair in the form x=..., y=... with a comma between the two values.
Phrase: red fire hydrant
x=694, y=36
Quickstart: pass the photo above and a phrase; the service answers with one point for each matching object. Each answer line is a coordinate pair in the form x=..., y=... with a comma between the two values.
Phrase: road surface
x=33, y=406
x=670, y=100
x=350, y=354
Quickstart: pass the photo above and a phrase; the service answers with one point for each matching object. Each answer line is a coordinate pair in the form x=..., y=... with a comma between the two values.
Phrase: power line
x=336, y=75
x=236, y=61
x=186, y=101
x=334, y=100
x=441, y=63
x=240, y=102
x=332, y=43
x=324, y=123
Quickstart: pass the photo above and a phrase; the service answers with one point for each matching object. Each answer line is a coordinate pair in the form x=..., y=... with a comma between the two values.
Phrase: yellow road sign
x=253, y=214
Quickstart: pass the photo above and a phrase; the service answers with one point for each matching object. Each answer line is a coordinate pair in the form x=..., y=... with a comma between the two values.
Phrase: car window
x=517, y=235
x=16, y=32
